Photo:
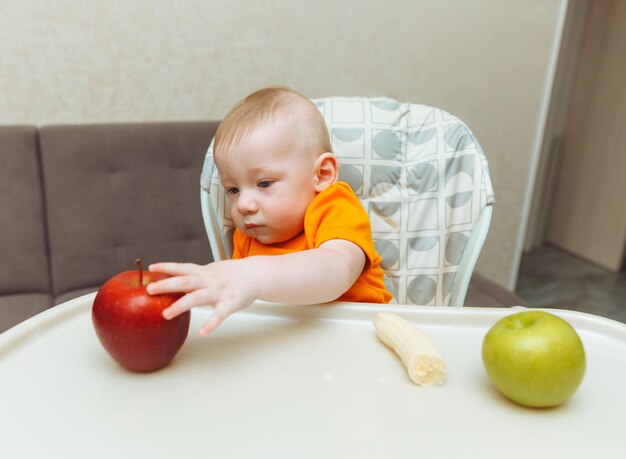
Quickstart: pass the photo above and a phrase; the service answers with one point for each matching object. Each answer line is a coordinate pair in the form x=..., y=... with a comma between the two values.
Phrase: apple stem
x=138, y=263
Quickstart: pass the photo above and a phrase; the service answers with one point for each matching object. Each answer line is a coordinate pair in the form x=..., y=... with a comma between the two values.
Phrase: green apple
x=534, y=358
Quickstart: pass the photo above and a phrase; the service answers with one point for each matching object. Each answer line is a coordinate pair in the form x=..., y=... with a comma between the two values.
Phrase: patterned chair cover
x=421, y=175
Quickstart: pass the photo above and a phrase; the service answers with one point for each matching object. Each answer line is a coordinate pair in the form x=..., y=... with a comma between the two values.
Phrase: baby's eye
x=232, y=190
x=264, y=184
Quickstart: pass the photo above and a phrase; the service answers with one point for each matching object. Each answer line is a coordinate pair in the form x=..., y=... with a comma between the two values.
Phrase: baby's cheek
x=236, y=220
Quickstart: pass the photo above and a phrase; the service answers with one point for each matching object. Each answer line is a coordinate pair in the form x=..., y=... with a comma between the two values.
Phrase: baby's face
x=269, y=179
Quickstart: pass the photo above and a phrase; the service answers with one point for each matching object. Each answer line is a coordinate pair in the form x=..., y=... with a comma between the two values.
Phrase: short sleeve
x=337, y=213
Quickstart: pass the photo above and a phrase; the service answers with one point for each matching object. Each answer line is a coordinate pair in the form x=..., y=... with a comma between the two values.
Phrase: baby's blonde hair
x=266, y=105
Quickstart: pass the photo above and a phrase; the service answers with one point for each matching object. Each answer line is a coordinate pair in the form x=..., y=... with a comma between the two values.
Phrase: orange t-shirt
x=335, y=213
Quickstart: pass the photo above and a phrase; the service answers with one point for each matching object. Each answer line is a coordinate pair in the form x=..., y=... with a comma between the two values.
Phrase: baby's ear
x=326, y=171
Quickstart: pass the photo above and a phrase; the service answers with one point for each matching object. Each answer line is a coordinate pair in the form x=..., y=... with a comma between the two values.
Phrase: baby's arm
x=312, y=276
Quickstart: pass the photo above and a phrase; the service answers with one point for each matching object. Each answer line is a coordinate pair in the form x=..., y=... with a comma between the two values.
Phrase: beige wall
x=136, y=60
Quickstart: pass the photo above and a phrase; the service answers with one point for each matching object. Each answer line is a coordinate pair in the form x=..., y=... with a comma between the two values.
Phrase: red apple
x=130, y=325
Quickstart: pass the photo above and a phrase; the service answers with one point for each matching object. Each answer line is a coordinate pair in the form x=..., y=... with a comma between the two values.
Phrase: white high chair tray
x=296, y=382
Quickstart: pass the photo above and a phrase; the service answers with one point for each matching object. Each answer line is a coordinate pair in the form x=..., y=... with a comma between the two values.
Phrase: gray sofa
x=80, y=202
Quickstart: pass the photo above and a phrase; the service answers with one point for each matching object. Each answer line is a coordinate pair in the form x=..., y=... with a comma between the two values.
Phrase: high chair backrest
x=423, y=178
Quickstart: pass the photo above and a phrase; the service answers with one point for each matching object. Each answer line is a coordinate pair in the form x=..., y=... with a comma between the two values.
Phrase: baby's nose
x=246, y=204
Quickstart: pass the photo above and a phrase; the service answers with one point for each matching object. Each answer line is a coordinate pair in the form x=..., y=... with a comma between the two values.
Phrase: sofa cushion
x=17, y=308
x=24, y=267
x=120, y=191
x=67, y=296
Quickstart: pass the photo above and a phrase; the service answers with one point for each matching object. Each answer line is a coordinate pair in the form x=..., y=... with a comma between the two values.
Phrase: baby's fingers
x=201, y=297
x=183, y=284
x=183, y=304
x=174, y=269
x=215, y=320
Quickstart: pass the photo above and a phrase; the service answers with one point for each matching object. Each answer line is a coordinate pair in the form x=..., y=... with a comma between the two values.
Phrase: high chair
x=422, y=177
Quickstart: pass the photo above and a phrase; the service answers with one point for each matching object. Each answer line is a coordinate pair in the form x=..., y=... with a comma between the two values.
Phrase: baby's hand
x=227, y=286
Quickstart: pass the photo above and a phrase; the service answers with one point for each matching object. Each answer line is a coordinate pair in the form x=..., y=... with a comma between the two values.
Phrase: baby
x=301, y=236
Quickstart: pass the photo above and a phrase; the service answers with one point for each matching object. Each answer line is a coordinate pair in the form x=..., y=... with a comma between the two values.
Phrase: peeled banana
x=419, y=355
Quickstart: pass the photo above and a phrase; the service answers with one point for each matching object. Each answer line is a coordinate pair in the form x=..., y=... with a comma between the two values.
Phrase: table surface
x=296, y=382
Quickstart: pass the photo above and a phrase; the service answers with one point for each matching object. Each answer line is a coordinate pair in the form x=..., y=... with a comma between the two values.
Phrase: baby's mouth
x=250, y=226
